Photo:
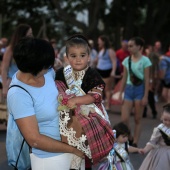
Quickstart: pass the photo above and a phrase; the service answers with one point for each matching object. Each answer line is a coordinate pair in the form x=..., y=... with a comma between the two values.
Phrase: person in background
x=9, y=66
x=135, y=85
x=122, y=53
x=36, y=114
x=4, y=44
x=159, y=145
x=164, y=74
x=153, y=81
x=121, y=143
x=168, y=52
x=54, y=44
x=106, y=66
x=93, y=54
x=158, y=47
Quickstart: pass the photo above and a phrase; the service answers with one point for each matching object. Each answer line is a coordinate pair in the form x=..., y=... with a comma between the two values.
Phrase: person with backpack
x=33, y=116
x=164, y=68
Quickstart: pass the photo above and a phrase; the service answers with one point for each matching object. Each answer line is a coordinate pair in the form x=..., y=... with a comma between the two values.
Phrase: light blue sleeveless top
x=104, y=61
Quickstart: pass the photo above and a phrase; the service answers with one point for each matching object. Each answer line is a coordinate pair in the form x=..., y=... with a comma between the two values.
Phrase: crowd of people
x=60, y=99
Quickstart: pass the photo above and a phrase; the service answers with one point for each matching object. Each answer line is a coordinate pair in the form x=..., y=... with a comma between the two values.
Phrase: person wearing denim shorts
x=135, y=95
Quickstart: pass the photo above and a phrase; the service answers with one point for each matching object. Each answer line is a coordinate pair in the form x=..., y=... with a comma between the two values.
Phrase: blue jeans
x=134, y=92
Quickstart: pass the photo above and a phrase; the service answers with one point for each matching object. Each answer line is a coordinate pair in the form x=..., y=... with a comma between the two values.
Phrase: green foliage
x=59, y=18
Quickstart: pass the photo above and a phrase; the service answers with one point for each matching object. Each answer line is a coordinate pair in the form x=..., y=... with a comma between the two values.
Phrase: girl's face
x=133, y=48
x=122, y=138
x=166, y=119
x=78, y=57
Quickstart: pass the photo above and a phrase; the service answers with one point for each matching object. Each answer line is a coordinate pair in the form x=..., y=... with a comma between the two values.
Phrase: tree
x=121, y=19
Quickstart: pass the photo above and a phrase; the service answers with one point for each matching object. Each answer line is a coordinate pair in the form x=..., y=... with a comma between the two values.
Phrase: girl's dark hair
x=166, y=108
x=19, y=33
x=121, y=129
x=77, y=39
x=32, y=55
x=138, y=41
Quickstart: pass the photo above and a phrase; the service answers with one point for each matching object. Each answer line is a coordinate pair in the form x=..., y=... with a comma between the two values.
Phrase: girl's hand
x=142, y=151
x=71, y=103
x=144, y=101
x=112, y=73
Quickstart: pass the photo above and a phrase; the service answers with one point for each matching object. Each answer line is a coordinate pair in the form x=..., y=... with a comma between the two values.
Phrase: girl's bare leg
x=137, y=118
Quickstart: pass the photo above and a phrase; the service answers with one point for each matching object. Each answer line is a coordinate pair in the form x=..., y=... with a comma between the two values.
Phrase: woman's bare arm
x=4, y=72
x=29, y=129
x=112, y=56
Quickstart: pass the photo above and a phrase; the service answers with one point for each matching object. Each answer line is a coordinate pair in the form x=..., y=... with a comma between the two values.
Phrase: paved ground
x=136, y=159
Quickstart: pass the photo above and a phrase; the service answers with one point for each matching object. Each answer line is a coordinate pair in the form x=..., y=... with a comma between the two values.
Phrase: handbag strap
x=130, y=69
x=22, y=89
x=15, y=167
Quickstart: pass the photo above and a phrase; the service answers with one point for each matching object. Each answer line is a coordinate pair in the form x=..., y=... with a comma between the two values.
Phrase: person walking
x=106, y=66
x=135, y=85
x=9, y=66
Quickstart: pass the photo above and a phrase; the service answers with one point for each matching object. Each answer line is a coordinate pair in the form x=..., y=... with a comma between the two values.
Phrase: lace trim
x=79, y=143
x=78, y=75
x=76, y=162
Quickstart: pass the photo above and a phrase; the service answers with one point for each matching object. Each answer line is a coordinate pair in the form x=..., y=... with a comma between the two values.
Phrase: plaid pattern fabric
x=98, y=131
x=99, y=135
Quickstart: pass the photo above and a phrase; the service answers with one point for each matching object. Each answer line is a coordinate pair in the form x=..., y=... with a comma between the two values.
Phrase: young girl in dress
x=135, y=85
x=85, y=116
x=159, y=145
x=121, y=146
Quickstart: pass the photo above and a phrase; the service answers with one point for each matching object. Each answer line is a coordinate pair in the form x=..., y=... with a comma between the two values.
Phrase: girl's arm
x=4, y=70
x=112, y=56
x=146, y=81
x=29, y=129
x=146, y=149
x=86, y=99
x=132, y=149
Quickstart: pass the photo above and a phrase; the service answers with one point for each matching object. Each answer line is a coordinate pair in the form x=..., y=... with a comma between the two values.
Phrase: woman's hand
x=78, y=153
x=144, y=101
x=112, y=74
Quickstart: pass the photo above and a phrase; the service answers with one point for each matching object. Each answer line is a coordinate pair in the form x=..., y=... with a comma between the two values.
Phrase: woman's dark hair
x=166, y=108
x=33, y=55
x=121, y=129
x=77, y=40
x=106, y=41
x=19, y=33
x=138, y=41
